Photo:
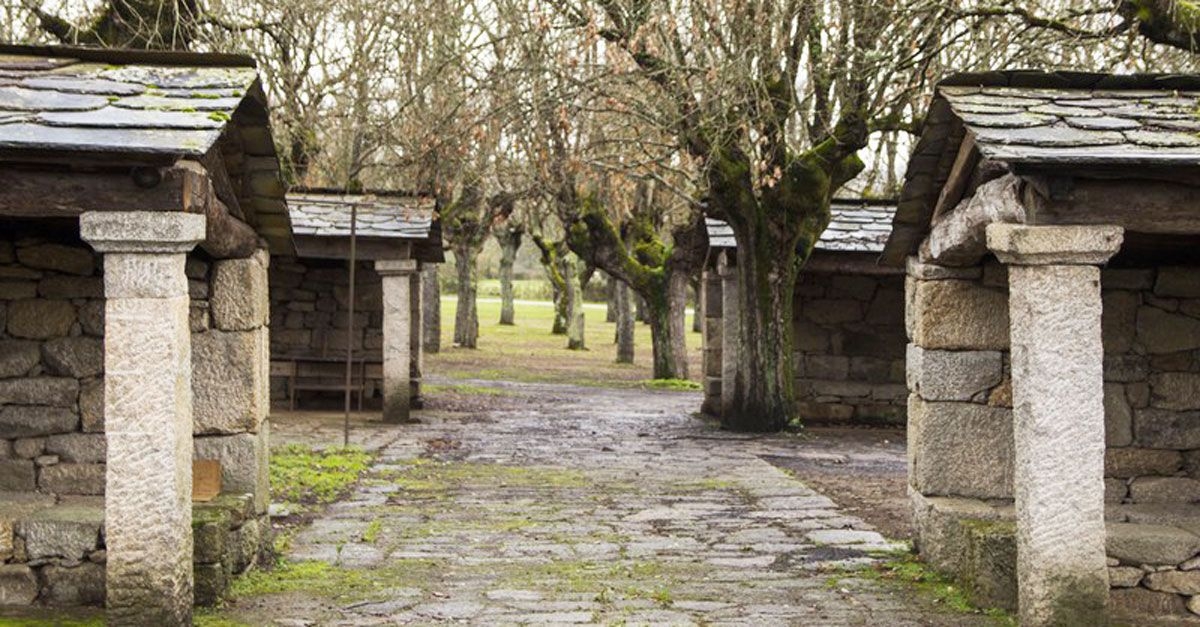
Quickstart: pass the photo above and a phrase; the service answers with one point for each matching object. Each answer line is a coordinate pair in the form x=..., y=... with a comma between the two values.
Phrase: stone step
x=13, y=507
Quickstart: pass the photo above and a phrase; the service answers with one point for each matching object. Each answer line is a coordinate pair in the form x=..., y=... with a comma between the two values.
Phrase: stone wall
x=310, y=300
x=849, y=333
x=51, y=366
x=849, y=340
x=961, y=441
x=52, y=443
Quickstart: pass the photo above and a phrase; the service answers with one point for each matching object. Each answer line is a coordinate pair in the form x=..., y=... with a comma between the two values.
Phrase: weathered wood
x=368, y=248
x=1156, y=207
x=67, y=193
x=226, y=236
x=960, y=176
x=824, y=262
x=959, y=237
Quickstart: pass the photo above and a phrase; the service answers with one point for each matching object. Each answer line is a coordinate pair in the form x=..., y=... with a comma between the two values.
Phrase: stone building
x=1050, y=226
x=849, y=320
x=140, y=198
x=396, y=234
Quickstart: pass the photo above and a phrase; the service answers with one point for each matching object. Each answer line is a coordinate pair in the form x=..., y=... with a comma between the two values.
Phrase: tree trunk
x=431, y=304
x=466, y=317
x=643, y=315
x=510, y=243
x=764, y=394
x=574, y=299
x=667, y=314
x=698, y=307
x=625, y=326
x=610, y=309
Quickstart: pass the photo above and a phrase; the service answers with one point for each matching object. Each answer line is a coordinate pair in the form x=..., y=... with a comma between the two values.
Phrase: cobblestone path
x=571, y=505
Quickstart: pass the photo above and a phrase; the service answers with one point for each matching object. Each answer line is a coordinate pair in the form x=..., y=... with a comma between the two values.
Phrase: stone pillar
x=712, y=341
x=1058, y=411
x=731, y=320
x=397, y=334
x=147, y=412
x=417, y=338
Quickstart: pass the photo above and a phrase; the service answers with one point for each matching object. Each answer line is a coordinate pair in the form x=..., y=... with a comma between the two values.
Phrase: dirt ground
x=864, y=471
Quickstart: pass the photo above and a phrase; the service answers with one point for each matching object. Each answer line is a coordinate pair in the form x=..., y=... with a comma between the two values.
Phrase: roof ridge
x=126, y=56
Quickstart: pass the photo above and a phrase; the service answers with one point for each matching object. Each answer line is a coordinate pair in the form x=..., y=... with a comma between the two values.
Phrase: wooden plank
x=1143, y=206
x=960, y=176
x=339, y=247
x=206, y=480
x=67, y=193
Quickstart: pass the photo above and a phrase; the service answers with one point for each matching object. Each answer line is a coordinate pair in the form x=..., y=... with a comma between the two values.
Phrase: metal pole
x=350, y=322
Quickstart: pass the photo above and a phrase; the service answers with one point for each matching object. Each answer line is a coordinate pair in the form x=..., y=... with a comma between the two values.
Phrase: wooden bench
x=314, y=374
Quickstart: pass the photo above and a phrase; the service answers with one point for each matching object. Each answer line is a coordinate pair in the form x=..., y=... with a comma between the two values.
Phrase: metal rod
x=350, y=322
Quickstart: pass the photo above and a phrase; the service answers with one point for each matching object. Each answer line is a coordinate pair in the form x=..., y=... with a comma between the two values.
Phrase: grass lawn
x=528, y=352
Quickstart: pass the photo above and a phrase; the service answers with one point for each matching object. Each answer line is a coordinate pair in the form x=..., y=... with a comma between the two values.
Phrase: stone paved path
x=573, y=505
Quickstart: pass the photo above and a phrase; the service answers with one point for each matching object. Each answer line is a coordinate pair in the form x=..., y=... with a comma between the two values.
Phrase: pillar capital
x=142, y=231
x=1024, y=245
x=395, y=267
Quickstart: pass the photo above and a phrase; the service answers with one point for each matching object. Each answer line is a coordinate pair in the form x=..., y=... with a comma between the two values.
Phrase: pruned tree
x=467, y=222
x=509, y=236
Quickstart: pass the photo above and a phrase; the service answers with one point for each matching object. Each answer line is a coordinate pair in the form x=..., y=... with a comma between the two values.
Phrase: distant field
x=528, y=352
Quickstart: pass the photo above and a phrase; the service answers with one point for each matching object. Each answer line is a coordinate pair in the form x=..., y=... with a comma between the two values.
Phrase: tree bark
x=764, y=386
x=509, y=239
x=574, y=298
x=667, y=313
x=610, y=309
x=431, y=305
x=466, y=316
x=625, y=323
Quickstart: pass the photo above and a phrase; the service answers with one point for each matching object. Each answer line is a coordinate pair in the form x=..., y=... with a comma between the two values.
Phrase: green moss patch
x=302, y=474
x=677, y=385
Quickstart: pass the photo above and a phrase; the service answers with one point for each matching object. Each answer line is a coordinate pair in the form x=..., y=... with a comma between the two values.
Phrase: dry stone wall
x=51, y=367
x=52, y=443
x=849, y=336
x=961, y=442
x=310, y=313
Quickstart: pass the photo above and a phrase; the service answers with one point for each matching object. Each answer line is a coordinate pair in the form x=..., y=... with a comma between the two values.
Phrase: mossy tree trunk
x=431, y=314
x=138, y=24
x=466, y=223
x=776, y=229
x=509, y=237
x=576, y=340
x=655, y=271
x=466, y=313
x=625, y=322
x=551, y=255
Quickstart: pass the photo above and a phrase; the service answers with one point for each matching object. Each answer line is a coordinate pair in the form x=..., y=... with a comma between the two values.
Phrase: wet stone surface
x=565, y=505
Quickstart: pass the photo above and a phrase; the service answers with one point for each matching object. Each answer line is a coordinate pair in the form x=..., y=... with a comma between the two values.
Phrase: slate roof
x=111, y=108
x=67, y=103
x=1047, y=121
x=860, y=226
x=327, y=214
x=385, y=215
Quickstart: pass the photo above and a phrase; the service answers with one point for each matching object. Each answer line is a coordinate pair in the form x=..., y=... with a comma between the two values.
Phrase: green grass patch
x=372, y=533
x=323, y=579
x=52, y=622
x=466, y=389
x=677, y=385
x=302, y=474
x=438, y=476
x=909, y=570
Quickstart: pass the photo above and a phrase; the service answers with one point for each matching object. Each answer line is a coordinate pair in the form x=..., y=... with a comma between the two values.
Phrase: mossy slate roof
x=64, y=103
x=859, y=226
x=386, y=215
x=1047, y=122
x=104, y=108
